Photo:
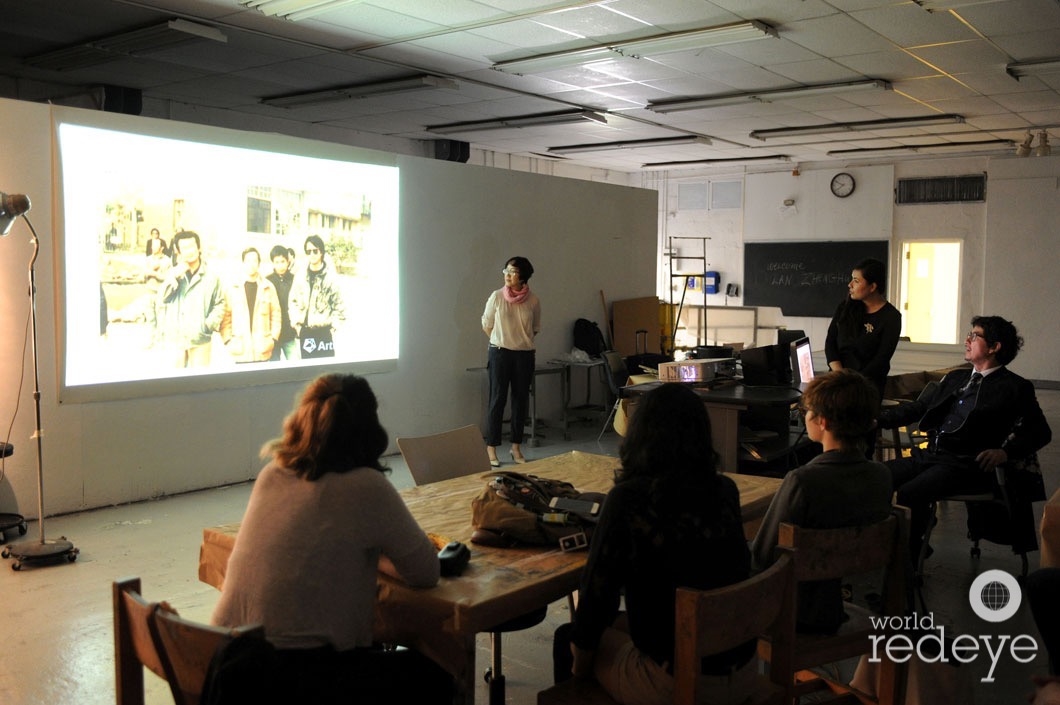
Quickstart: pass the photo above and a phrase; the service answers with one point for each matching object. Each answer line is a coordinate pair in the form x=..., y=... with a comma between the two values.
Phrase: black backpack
x=587, y=337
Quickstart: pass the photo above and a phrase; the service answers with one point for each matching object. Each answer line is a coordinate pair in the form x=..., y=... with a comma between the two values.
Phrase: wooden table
x=499, y=583
x=731, y=406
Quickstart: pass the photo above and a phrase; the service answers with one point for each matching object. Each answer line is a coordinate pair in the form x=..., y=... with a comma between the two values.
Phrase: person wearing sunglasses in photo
x=978, y=418
x=316, y=308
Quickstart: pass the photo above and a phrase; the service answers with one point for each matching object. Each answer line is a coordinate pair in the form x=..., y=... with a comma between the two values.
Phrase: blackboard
x=803, y=278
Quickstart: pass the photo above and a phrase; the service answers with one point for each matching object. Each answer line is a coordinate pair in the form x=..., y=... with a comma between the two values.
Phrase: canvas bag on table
x=509, y=511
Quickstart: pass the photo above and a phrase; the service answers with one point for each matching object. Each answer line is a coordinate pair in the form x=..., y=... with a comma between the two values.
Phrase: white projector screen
x=130, y=316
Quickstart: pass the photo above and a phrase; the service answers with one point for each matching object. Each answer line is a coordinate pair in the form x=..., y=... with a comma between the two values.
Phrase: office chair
x=455, y=453
x=617, y=378
x=1003, y=515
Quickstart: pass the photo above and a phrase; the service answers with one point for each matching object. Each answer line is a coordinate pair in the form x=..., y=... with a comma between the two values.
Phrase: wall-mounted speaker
x=452, y=150
x=121, y=99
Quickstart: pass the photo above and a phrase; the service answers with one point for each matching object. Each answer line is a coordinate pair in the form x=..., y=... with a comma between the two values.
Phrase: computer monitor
x=786, y=336
x=801, y=363
x=766, y=366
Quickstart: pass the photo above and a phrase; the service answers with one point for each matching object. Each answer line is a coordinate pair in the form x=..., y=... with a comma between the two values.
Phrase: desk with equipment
x=499, y=584
x=750, y=416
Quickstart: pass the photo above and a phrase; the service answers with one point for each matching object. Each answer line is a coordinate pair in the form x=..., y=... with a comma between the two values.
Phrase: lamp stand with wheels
x=42, y=549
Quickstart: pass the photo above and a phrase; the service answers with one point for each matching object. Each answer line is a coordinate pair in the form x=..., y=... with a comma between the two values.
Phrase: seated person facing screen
x=977, y=419
x=321, y=522
x=671, y=520
x=838, y=488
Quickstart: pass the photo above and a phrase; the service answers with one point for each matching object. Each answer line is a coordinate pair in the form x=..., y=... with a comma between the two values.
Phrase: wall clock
x=842, y=184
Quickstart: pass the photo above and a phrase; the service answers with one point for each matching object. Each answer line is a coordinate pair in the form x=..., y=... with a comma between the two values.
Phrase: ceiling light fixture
x=138, y=42
x=733, y=161
x=1024, y=148
x=630, y=144
x=830, y=128
x=363, y=90
x=564, y=118
x=716, y=101
x=1033, y=68
x=637, y=48
x=1044, y=148
x=942, y=5
x=295, y=10
x=937, y=148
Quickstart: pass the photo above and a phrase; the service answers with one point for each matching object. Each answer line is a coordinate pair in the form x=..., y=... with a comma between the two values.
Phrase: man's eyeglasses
x=973, y=336
x=510, y=270
x=311, y=251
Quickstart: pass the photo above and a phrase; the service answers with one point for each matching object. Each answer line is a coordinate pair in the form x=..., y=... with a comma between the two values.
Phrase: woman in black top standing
x=670, y=520
x=865, y=328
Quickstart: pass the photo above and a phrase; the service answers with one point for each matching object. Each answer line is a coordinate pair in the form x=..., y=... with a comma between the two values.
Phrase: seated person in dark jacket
x=671, y=520
x=838, y=488
x=977, y=419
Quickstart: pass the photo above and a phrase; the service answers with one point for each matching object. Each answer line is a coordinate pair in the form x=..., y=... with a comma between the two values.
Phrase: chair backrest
x=461, y=451
x=711, y=621
x=617, y=374
x=176, y=650
x=823, y=554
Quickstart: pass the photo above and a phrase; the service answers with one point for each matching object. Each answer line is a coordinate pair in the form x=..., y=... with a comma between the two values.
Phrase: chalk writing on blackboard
x=803, y=278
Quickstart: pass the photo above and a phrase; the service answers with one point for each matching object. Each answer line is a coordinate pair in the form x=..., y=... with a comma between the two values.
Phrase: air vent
x=942, y=189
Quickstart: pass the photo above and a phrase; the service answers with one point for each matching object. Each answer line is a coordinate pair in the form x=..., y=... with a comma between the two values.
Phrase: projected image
x=207, y=258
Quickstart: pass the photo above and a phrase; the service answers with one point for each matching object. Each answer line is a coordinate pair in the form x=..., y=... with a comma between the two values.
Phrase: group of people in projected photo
x=191, y=305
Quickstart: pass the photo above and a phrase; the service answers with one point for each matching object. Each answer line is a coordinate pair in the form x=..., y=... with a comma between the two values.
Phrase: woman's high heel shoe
x=518, y=459
x=495, y=463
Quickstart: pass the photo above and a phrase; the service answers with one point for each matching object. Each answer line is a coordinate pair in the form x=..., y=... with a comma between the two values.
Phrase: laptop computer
x=801, y=363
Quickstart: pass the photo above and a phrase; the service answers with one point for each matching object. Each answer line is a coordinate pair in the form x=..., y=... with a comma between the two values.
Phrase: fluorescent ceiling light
x=938, y=5
x=937, y=148
x=733, y=161
x=1033, y=68
x=135, y=43
x=715, y=101
x=363, y=90
x=630, y=144
x=834, y=127
x=638, y=48
x=295, y=10
x=565, y=118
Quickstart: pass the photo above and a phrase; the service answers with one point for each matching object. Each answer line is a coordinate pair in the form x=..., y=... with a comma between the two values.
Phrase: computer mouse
x=454, y=557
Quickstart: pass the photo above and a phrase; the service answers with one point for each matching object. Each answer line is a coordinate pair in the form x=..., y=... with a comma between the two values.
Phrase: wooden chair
x=617, y=378
x=455, y=453
x=442, y=456
x=175, y=649
x=824, y=554
x=707, y=622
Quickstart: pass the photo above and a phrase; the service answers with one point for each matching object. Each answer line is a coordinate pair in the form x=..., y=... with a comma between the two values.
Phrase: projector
x=697, y=370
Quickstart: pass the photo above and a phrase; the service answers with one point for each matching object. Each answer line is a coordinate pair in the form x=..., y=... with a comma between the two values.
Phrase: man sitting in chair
x=977, y=419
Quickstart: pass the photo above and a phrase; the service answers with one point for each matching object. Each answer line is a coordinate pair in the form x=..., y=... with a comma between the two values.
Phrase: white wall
x=459, y=224
x=1009, y=242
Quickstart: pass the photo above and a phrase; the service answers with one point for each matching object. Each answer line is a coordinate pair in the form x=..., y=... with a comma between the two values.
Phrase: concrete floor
x=58, y=642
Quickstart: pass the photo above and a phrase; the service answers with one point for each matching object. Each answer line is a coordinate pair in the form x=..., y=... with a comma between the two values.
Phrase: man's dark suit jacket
x=1006, y=414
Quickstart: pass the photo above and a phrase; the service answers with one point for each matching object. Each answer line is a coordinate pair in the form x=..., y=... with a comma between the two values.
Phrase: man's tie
x=973, y=382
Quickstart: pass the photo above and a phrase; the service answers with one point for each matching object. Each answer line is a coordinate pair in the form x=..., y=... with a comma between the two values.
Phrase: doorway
x=930, y=287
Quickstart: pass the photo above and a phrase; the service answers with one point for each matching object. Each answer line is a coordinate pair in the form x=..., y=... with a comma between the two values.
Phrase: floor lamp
x=12, y=207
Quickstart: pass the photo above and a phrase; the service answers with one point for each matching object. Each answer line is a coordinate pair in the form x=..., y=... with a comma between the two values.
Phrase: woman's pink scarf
x=516, y=297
